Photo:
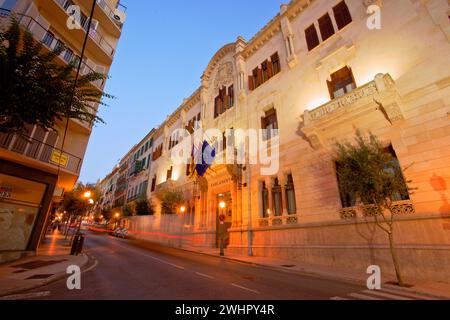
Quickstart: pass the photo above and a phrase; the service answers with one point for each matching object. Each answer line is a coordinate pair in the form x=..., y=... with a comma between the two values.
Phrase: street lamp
x=87, y=194
x=182, y=209
x=222, y=217
x=117, y=215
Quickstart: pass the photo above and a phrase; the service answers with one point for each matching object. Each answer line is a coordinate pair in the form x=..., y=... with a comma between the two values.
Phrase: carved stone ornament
x=224, y=75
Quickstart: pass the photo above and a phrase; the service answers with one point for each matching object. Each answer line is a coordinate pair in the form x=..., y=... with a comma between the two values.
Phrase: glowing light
x=222, y=204
x=182, y=209
x=91, y=201
x=87, y=194
x=117, y=215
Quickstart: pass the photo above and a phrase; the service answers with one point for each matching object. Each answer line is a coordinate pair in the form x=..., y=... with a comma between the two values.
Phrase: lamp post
x=117, y=215
x=222, y=217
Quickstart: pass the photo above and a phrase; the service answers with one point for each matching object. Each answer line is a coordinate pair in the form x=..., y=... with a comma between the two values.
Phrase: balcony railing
x=274, y=221
x=365, y=91
x=110, y=12
x=40, y=33
x=93, y=34
x=43, y=152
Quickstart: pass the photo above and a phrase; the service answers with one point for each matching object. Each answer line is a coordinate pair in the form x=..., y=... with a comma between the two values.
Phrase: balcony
x=108, y=16
x=44, y=153
x=378, y=98
x=97, y=45
x=277, y=221
x=41, y=34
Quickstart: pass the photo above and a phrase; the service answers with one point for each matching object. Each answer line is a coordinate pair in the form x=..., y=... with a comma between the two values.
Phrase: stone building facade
x=315, y=72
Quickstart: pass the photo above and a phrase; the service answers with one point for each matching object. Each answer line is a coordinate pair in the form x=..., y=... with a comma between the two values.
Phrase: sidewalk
x=431, y=289
x=49, y=265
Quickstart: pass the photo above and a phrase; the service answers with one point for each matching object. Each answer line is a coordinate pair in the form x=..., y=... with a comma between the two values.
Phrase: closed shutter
x=251, y=85
x=326, y=27
x=260, y=78
x=342, y=15
x=270, y=69
x=312, y=39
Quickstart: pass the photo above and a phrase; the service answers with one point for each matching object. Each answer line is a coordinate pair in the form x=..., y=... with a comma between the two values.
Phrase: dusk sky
x=164, y=49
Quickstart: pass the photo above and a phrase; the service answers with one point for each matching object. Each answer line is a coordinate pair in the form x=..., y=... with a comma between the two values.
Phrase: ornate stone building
x=317, y=71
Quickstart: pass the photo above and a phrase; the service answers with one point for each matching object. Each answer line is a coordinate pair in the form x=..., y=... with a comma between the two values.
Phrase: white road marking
x=204, y=275
x=27, y=296
x=408, y=294
x=385, y=295
x=92, y=267
x=244, y=288
x=362, y=296
x=154, y=258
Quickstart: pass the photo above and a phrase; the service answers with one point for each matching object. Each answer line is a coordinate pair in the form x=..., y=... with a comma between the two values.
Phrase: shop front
x=25, y=198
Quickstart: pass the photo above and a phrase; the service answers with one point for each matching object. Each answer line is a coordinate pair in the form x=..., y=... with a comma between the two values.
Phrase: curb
x=322, y=275
x=56, y=277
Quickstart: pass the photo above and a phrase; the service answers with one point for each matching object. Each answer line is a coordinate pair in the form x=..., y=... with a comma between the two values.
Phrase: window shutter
x=259, y=82
x=270, y=69
x=326, y=27
x=342, y=15
x=226, y=103
x=312, y=38
x=251, y=85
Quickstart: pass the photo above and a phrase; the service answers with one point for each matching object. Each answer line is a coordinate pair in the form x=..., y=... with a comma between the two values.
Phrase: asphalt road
x=123, y=269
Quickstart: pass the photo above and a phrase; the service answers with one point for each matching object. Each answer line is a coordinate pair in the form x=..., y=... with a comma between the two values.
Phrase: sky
x=163, y=51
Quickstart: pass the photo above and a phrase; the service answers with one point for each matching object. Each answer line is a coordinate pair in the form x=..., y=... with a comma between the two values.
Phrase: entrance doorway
x=224, y=209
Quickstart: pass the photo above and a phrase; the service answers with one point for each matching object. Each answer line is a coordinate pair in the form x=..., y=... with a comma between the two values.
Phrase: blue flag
x=208, y=155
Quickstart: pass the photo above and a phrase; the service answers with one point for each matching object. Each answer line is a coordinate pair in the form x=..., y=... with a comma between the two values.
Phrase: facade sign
x=59, y=158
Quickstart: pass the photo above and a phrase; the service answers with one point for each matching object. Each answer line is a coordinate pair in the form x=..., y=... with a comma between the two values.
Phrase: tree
x=36, y=90
x=144, y=207
x=171, y=201
x=374, y=177
x=128, y=210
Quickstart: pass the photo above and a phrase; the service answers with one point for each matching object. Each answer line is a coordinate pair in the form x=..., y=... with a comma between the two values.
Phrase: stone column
x=282, y=182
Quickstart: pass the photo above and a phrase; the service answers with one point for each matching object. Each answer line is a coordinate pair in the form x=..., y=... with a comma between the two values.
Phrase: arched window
x=276, y=198
x=290, y=195
x=265, y=200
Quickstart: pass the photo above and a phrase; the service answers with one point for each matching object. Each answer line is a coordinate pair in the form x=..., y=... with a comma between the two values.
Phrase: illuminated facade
x=317, y=71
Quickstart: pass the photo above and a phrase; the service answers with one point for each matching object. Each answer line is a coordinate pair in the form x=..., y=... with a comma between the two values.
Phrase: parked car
x=121, y=233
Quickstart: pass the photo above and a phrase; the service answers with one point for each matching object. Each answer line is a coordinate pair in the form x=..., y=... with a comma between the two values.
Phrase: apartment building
x=316, y=71
x=35, y=172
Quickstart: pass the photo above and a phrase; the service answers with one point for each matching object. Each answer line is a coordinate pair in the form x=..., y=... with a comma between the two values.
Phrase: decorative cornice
x=273, y=26
x=217, y=57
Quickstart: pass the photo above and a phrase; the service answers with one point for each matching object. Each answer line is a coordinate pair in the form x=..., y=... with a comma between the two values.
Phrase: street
x=124, y=269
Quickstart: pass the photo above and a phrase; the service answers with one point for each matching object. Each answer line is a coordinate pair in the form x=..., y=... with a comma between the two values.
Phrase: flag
x=207, y=157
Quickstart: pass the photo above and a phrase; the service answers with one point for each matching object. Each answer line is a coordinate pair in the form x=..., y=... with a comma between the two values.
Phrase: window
x=68, y=55
x=290, y=195
x=153, y=184
x=276, y=198
x=48, y=38
x=263, y=73
x=312, y=39
x=67, y=4
x=158, y=152
x=342, y=82
x=230, y=96
x=269, y=122
x=342, y=15
x=348, y=199
x=169, y=173
x=265, y=200
x=326, y=27
x=59, y=45
x=276, y=67
x=223, y=101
